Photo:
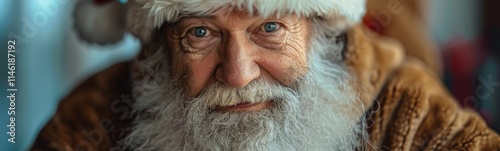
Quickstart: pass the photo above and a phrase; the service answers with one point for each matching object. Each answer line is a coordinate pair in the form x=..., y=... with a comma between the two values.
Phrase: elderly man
x=263, y=75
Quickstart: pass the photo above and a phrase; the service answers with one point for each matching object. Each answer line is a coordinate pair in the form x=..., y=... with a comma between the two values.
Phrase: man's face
x=236, y=48
x=239, y=82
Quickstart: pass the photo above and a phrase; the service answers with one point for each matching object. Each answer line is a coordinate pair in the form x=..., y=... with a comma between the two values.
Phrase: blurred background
x=51, y=59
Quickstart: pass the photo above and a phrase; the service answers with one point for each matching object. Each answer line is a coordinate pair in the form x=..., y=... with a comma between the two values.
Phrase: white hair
x=319, y=112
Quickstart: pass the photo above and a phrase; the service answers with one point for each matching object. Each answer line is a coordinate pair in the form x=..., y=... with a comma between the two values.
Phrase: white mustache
x=259, y=90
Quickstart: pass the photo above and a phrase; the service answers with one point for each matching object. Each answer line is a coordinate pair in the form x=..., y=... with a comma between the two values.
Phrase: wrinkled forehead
x=145, y=15
x=236, y=16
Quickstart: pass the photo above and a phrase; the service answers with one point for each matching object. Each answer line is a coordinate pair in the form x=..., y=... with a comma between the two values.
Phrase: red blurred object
x=463, y=59
x=463, y=56
x=371, y=23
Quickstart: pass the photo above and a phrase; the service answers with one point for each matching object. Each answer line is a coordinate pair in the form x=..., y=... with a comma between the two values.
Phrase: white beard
x=319, y=112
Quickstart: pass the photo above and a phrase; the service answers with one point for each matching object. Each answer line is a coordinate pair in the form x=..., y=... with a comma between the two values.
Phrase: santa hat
x=143, y=16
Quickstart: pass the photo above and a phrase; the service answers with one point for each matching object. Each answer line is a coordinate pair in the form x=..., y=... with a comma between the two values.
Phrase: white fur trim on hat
x=144, y=16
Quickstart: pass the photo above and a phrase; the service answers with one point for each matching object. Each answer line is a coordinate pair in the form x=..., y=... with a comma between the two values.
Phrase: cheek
x=290, y=63
x=194, y=70
x=198, y=72
x=285, y=68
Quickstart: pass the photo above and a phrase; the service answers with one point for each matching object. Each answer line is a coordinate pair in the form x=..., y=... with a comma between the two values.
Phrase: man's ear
x=101, y=23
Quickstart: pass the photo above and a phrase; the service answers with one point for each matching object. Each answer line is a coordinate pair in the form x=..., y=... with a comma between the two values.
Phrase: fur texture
x=145, y=15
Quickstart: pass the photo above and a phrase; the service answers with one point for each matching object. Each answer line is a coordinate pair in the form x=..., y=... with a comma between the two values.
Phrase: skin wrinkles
x=237, y=50
x=293, y=42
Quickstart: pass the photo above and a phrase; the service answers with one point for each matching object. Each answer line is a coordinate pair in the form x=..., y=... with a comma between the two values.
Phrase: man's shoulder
x=93, y=115
x=414, y=111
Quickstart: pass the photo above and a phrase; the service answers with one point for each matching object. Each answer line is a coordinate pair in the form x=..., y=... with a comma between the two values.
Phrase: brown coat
x=410, y=107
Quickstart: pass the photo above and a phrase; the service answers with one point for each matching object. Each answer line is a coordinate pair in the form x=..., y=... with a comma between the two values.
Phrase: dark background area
x=473, y=66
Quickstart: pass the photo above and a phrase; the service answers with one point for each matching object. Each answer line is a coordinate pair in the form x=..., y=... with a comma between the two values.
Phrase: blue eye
x=270, y=27
x=200, y=31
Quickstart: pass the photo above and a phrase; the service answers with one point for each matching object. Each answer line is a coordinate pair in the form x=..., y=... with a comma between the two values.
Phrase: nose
x=238, y=66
